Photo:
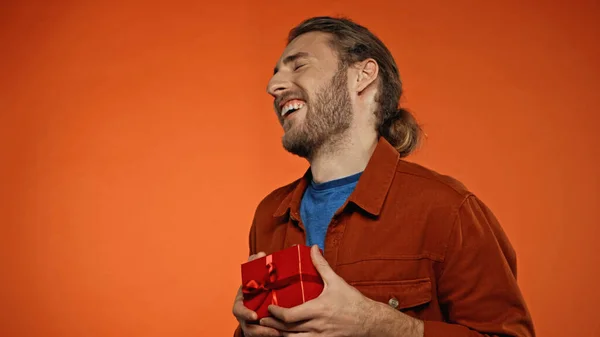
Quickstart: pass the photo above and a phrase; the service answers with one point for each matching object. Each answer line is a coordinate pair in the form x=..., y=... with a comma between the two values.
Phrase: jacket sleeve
x=252, y=250
x=477, y=285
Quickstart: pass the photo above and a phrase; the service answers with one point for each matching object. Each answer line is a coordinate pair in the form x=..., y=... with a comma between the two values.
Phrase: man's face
x=311, y=95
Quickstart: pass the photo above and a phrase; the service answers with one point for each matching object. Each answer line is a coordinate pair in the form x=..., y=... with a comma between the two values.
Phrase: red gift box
x=286, y=278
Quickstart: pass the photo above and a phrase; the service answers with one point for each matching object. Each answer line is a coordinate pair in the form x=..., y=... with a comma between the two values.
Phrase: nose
x=277, y=85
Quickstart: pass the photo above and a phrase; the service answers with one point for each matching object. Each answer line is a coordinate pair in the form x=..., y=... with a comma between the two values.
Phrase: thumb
x=256, y=256
x=322, y=266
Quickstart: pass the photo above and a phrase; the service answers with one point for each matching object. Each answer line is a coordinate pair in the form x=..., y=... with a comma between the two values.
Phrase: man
x=407, y=252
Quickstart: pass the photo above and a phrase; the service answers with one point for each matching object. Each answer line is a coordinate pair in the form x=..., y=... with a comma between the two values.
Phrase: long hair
x=354, y=43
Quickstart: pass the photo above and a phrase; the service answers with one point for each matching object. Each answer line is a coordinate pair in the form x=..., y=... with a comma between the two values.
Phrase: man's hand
x=340, y=310
x=244, y=315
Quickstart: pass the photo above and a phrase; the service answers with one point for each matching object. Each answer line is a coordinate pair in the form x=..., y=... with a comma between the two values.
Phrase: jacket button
x=393, y=302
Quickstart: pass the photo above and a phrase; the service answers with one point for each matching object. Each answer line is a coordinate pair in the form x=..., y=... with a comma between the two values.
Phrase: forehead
x=315, y=44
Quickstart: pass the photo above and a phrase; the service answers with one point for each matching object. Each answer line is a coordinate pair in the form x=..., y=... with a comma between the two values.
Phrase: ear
x=367, y=74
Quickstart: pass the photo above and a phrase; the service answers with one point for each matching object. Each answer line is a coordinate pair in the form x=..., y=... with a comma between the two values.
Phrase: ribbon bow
x=269, y=284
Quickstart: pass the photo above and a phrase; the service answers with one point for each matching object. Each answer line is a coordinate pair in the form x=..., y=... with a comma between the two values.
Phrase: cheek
x=310, y=82
x=303, y=86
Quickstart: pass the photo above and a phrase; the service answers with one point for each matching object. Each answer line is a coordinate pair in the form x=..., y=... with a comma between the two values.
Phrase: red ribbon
x=272, y=282
x=269, y=284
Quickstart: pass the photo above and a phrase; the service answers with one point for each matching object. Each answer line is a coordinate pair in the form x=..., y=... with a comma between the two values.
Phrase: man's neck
x=343, y=158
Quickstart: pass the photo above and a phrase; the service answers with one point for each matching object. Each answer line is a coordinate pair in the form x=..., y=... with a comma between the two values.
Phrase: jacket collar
x=370, y=192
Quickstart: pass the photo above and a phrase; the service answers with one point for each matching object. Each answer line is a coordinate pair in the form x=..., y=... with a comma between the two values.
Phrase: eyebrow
x=291, y=58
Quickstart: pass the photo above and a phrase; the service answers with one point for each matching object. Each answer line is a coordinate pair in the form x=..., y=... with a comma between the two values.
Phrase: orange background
x=136, y=140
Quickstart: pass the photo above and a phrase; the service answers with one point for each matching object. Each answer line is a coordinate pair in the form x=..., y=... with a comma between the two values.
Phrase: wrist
x=385, y=321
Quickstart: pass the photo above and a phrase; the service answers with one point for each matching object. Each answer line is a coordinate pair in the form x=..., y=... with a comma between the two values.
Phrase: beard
x=327, y=117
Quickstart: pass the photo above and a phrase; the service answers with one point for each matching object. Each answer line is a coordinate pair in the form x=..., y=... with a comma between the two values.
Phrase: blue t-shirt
x=319, y=204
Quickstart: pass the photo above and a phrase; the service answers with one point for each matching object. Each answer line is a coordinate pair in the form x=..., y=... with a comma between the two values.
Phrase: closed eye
x=299, y=66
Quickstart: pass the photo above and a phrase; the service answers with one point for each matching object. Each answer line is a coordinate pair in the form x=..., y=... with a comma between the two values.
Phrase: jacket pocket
x=404, y=295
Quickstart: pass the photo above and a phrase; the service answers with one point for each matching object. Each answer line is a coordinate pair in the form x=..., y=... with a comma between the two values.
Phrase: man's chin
x=295, y=147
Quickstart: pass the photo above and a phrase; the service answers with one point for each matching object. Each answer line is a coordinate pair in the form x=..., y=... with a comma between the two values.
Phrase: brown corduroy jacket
x=414, y=239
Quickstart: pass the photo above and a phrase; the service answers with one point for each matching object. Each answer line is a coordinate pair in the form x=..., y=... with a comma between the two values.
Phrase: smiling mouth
x=291, y=106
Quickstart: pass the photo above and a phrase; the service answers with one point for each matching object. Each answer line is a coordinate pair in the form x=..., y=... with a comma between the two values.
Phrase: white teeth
x=288, y=107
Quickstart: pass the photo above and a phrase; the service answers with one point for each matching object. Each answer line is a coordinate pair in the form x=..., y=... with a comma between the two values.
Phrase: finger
x=242, y=313
x=302, y=312
x=327, y=274
x=240, y=295
x=251, y=330
x=256, y=256
x=274, y=323
x=297, y=334
x=303, y=326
